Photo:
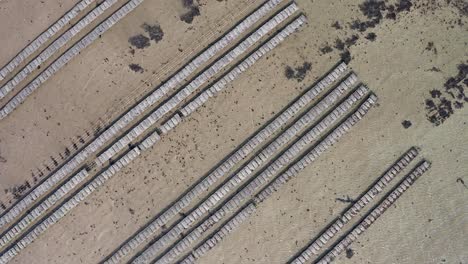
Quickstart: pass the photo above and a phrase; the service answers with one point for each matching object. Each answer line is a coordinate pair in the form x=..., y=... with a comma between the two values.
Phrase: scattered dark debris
x=406, y=124
x=336, y=25
x=430, y=47
x=298, y=73
x=349, y=253
x=155, y=32
x=326, y=49
x=460, y=180
x=345, y=200
x=136, y=68
x=442, y=104
x=139, y=41
x=132, y=212
x=2, y=160
x=434, y=69
x=371, y=36
x=193, y=11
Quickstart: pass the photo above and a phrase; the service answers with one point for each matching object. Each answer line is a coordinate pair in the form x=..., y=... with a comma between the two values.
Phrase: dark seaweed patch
x=404, y=5
x=187, y=3
x=326, y=49
x=376, y=10
x=391, y=15
x=351, y=40
x=462, y=6
x=364, y=25
x=298, y=73
x=435, y=93
x=372, y=8
x=371, y=36
x=139, y=41
x=191, y=14
x=345, y=56
x=339, y=44
x=406, y=123
x=155, y=32
x=289, y=72
x=136, y=68
x=349, y=253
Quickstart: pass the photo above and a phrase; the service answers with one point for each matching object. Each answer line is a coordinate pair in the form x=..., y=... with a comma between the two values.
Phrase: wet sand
x=425, y=225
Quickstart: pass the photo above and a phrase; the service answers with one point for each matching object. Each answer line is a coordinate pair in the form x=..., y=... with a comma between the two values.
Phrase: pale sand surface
x=425, y=226
x=31, y=18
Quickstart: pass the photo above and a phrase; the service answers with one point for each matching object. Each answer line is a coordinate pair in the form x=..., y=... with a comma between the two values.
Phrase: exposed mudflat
x=412, y=54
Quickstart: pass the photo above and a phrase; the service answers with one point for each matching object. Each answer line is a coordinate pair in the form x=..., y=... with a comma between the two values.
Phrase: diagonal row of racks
x=314, y=253
x=53, y=49
x=58, y=194
x=214, y=205
x=134, y=113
